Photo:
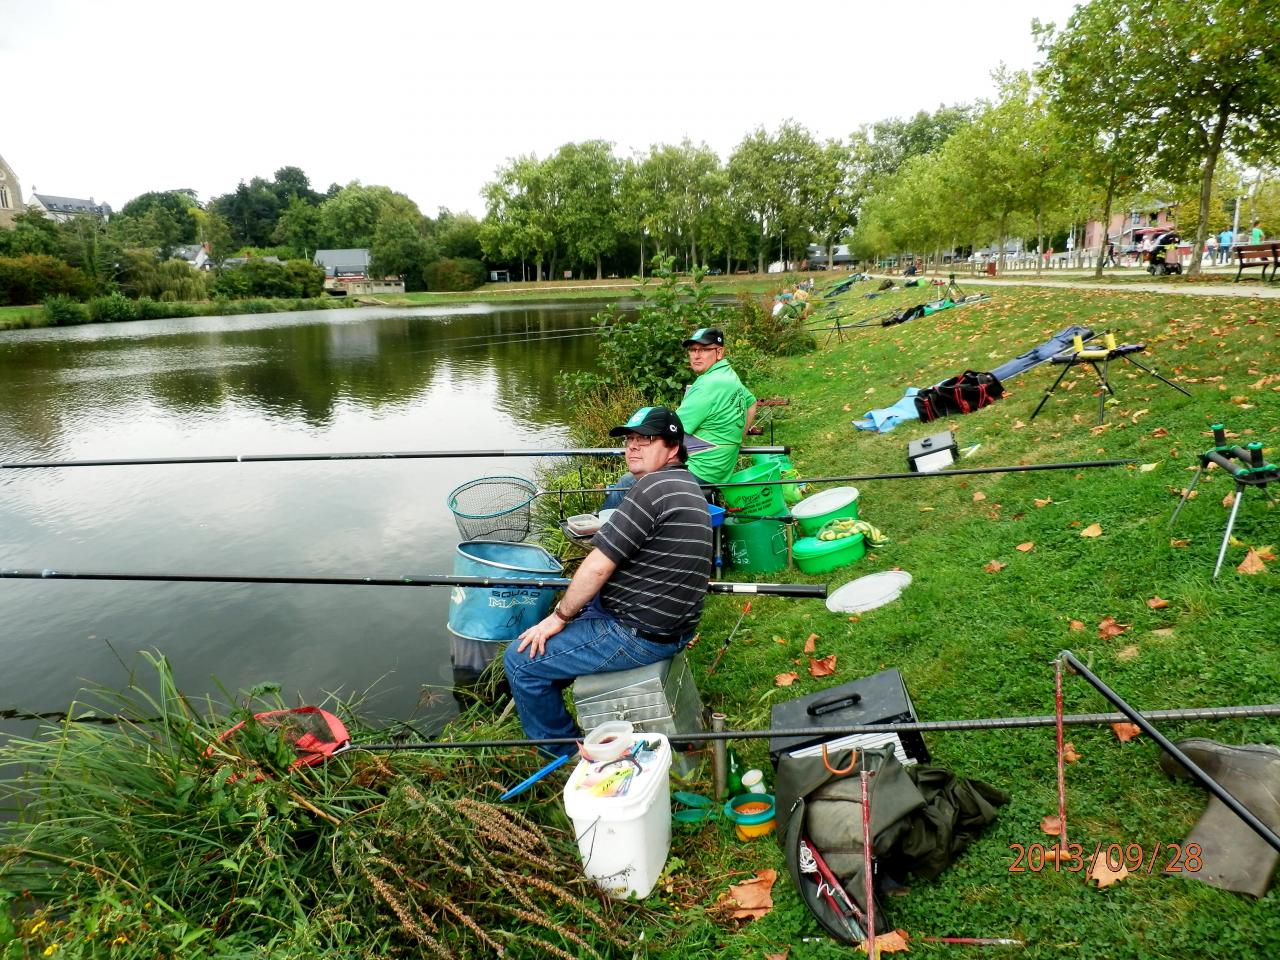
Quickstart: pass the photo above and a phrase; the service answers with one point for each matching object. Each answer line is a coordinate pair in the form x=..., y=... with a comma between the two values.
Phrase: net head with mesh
x=311, y=734
x=494, y=508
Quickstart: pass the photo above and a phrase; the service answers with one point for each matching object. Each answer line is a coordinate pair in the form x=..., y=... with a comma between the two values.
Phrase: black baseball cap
x=653, y=422
x=707, y=336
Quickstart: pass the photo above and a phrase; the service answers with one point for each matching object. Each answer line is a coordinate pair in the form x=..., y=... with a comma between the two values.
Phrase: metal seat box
x=658, y=698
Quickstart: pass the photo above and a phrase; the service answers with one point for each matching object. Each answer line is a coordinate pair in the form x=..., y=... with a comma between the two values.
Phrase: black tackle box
x=878, y=699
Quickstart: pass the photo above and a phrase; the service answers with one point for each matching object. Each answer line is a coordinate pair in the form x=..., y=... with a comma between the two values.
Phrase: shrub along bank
x=146, y=844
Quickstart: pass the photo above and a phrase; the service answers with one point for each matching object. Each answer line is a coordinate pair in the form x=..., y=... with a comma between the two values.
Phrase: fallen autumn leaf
x=1108, y=628
x=1126, y=731
x=1252, y=564
x=822, y=666
x=785, y=679
x=1092, y=530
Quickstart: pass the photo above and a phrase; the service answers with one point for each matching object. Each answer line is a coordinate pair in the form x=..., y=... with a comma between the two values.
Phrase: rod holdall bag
x=921, y=816
x=963, y=393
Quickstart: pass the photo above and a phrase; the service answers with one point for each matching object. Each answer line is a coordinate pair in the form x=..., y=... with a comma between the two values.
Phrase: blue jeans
x=595, y=642
x=618, y=490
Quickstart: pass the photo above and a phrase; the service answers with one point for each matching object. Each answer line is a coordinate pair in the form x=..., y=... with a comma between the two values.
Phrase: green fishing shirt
x=714, y=415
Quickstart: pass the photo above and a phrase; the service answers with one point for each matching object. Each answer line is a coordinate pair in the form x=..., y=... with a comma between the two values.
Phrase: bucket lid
x=869, y=592
x=813, y=547
x=824, y=502
x=620, y=789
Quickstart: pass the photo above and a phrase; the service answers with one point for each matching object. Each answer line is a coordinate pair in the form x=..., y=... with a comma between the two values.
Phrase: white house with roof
x=63, y=209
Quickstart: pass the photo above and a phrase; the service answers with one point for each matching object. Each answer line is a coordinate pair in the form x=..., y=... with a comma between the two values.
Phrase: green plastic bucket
x=819, y=556
x=761, y=501
x=813, y=512
x=791, y=492
x=758, y=546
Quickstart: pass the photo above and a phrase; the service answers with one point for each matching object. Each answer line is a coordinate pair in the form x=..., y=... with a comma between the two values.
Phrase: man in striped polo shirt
x=637, y=597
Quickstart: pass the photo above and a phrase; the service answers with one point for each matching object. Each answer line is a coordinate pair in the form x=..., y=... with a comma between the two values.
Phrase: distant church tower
x=10, y=195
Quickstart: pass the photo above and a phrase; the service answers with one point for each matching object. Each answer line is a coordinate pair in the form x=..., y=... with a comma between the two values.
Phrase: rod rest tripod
x=1245, y=465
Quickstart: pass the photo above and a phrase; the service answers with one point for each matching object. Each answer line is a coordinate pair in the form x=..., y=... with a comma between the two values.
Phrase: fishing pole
x=812, y=734
x=371, y=455
x=967, y=471
x=812, y=590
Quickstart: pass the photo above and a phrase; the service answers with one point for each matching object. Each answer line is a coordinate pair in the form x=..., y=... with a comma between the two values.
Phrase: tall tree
x=1185, y=82
x=584, y=180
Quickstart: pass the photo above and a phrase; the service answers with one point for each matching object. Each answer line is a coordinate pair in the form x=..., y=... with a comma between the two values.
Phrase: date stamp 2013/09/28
x=1133, y=857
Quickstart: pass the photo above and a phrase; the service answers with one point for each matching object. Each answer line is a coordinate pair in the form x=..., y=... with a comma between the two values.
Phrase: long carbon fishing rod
x=371, y=455
x=811, y=590
x=966, y=471
x=811, y=734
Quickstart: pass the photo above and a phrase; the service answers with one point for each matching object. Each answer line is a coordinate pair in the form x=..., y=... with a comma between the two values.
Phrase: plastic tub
x=818, y=556
x=500, y=614
x=752, y=815
x=812, y=512
x=756, y=546
x=621, y=813
x=761, y=501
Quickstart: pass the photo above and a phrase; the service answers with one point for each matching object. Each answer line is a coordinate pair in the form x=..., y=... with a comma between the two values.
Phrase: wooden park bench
x=1258, y=255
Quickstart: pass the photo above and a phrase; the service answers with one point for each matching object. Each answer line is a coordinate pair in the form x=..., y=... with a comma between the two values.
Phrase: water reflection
x=330, y=381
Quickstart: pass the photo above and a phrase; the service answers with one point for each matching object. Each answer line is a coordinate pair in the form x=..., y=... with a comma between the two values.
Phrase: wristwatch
x=561, y=614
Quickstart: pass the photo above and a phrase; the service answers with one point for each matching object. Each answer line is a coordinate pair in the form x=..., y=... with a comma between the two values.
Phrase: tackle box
x=932, y=453
x=877, y=699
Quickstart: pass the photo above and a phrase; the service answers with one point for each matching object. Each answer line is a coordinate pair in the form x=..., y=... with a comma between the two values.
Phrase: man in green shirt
x=1256, y=235
x=717, y=409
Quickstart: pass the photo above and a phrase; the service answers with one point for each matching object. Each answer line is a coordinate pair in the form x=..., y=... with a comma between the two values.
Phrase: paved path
x=1267, y=291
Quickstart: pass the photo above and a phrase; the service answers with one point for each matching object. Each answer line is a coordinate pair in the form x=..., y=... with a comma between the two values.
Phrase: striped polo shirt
x=660, y=538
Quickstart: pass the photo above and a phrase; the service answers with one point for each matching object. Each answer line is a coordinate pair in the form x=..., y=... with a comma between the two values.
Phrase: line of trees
x=1139, y=103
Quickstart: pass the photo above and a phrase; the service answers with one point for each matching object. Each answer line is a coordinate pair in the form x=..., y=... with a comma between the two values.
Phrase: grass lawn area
x=20, y=316
x=972, y=643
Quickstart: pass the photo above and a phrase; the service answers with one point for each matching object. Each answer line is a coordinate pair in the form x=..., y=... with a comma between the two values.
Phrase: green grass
x=978, y=644
x=969, y=644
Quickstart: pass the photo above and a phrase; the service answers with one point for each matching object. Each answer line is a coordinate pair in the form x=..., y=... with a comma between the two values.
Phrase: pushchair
x=1162, y=247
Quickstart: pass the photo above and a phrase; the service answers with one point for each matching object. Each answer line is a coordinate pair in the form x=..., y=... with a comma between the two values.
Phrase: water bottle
x=733, y=773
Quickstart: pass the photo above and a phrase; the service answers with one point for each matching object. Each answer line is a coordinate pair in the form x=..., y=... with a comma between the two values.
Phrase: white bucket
x=623, y=819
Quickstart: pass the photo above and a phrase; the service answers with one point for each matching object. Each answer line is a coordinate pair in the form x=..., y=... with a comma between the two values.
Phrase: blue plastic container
x=500, y=614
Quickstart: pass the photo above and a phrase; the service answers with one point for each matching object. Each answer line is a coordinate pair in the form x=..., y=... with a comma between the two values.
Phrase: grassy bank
x=1004, y=579
x=606, y=291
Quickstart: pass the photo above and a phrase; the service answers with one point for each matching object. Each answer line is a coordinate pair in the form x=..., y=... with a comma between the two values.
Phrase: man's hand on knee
x=536, y=637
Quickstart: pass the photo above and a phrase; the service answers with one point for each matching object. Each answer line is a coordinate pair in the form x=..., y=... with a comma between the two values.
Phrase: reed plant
x=153, y=836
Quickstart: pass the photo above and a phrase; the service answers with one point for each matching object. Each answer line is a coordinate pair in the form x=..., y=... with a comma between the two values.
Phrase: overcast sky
x=112, y=99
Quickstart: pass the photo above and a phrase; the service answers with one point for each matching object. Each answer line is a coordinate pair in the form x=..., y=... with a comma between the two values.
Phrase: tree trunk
x=1039, y=242
x=599, y=268
x=831, y=254
x=728, y=263
x=642, y=256
x=1106, y=222
x=764, y=238
x=1206, y=185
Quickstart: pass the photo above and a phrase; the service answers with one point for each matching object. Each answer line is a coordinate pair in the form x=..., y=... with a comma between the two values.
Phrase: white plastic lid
x=869, y=592
x=824, y=502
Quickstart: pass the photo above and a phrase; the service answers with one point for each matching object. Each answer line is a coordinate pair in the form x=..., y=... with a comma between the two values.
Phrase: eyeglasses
x=637, y=440
x=703, y=349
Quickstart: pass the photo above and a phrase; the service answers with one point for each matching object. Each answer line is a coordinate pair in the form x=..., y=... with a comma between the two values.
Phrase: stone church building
x=10, y=195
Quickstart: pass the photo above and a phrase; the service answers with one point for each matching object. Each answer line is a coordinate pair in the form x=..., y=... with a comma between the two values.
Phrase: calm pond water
x=361, y=379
